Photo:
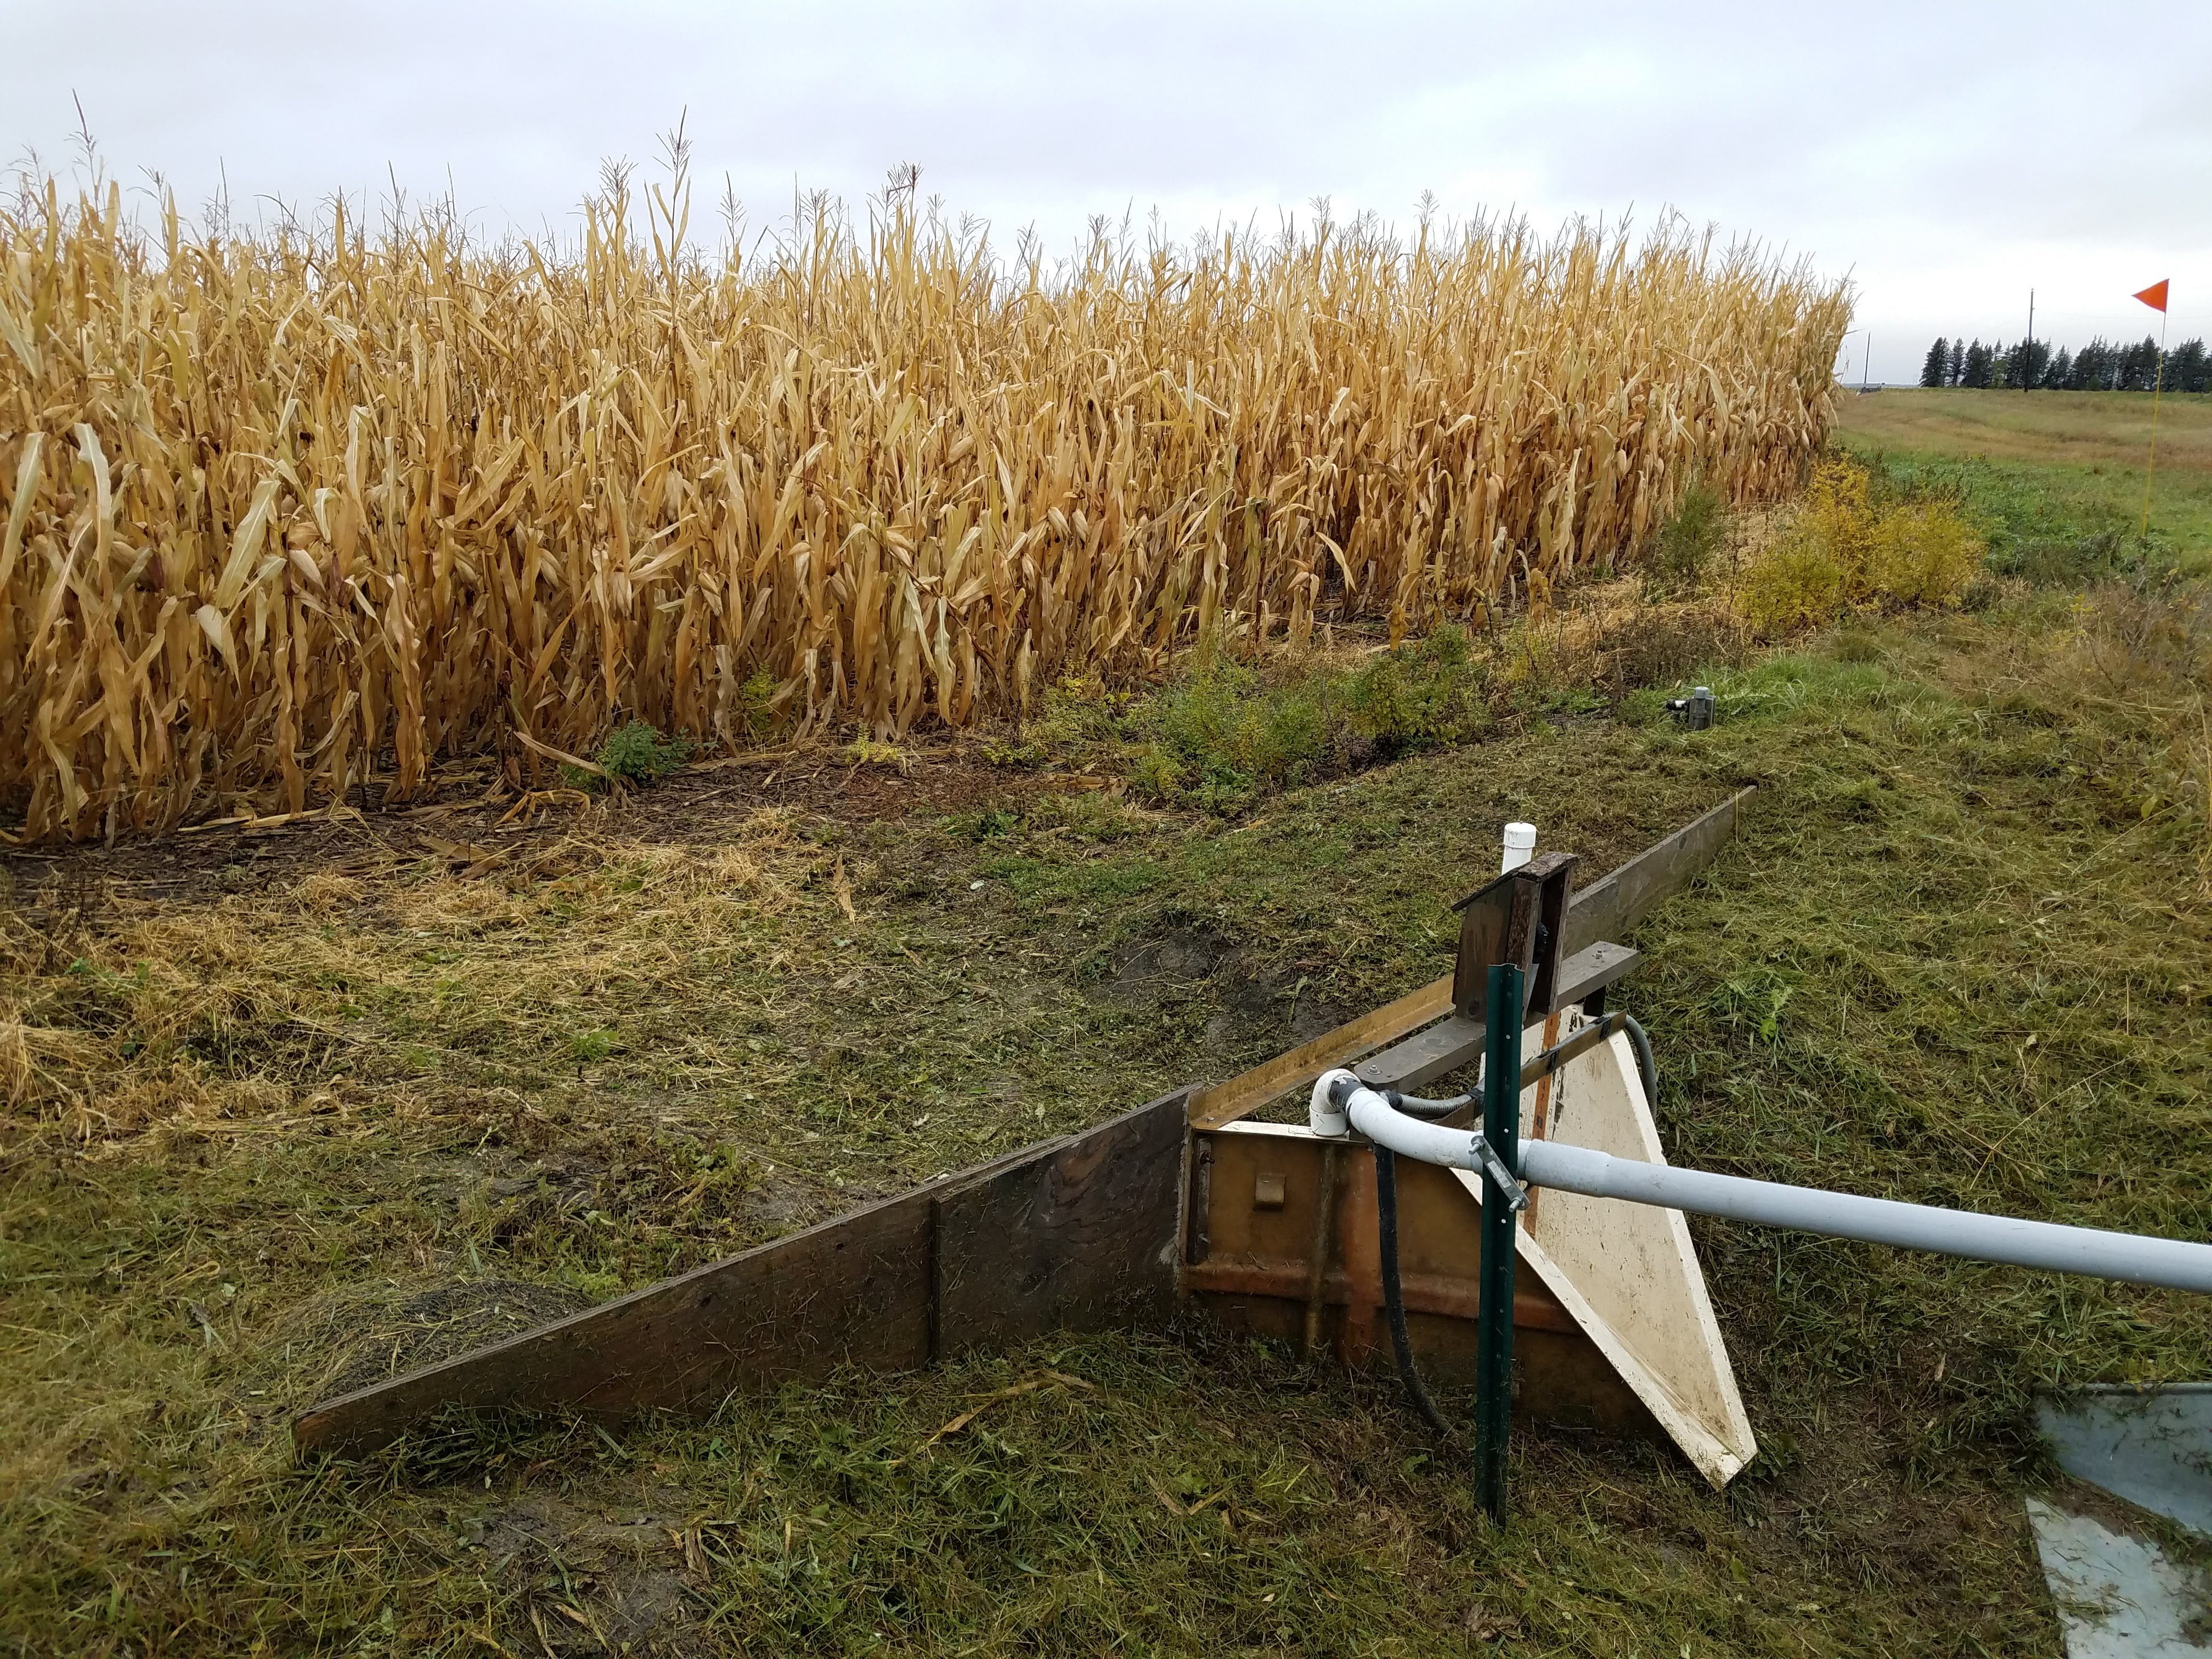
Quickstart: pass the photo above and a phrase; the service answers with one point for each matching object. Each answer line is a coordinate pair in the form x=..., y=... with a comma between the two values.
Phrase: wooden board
x=1079, y=1238
x=1456, y=1041
x=1601, y=912
x=1252, y=1271
x=1614, y=1329
x=1515, y=918
x=1080, y=1230
x=1611, y=906
x=1225, y=1102
x=1629, y=1272
x=851, y=1291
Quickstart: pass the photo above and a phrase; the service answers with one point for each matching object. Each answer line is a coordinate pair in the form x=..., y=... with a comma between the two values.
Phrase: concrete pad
x=2150, y=1446
x=2118, y=1595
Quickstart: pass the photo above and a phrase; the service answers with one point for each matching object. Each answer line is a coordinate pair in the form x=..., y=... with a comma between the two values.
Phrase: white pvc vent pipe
x=1520, y=846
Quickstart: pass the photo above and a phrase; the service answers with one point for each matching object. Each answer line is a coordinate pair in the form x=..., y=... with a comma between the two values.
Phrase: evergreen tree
x=2139, y=365
x=1939, y=359
x=2100, y=366
x=2187, y=369
x=2092, y=367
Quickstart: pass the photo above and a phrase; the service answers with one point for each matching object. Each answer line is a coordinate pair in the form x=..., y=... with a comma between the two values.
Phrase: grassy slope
x=1961, y=955
x=2027, y=458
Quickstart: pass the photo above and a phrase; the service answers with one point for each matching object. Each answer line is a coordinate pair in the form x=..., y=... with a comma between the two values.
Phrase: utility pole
x=2027, y=370
x=1866, y=362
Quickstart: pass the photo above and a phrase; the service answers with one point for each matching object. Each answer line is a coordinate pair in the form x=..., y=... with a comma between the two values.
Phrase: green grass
x=2059, y=475
x=1224, y=733
x=269, y=1136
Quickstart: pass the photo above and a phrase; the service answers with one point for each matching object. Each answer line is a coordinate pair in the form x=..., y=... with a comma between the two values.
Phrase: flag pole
x=2155, y=297
x=2150, y=464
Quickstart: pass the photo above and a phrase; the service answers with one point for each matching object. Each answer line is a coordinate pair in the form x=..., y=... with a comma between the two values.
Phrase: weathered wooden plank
x=854, y=1289
x=1593, y=967
x=1080, y=1239
x=1423, y=1293
x=1610, y=907
x=1443, y=1046
x=1257, y=1274
x=1227, y=1102
x=1079, y=1231
x=1506, y=920
x=1451, y=1043
x=1253, y=1268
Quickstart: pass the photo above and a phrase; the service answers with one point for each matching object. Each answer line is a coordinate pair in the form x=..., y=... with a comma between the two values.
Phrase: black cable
x=1646, y=1067
x=1394, y=1298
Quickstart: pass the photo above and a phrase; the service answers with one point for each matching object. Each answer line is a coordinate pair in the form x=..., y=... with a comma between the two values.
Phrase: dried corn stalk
x=284, y=515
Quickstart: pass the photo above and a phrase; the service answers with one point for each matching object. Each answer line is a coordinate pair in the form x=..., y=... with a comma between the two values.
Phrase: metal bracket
x=1501, y=1177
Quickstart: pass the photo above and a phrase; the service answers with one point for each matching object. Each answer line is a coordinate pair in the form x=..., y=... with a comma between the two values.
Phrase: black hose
x=1386, y=1207
x=1432, y=1110
x=1646, y=1067
x=1394, y=1296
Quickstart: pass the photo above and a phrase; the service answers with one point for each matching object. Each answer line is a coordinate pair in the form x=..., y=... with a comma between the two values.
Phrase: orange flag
x=2154, y=296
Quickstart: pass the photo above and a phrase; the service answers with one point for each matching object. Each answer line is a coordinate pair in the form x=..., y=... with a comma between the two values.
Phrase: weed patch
x=1227, y=733
x=1842, y=546
x=636, y=755
x=1681, y=556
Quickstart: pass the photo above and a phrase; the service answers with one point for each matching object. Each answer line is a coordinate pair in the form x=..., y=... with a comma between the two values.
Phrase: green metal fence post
x=1501, y=1128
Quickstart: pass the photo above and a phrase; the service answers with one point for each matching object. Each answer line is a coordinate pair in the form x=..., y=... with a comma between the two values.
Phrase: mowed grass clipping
x=292, y=514
x=355, y=1107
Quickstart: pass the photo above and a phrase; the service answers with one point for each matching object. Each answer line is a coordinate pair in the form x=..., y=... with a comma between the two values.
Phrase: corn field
x=301, y=511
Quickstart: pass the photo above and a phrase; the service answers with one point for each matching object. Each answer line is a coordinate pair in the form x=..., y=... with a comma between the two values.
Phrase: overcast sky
x=1946, y=157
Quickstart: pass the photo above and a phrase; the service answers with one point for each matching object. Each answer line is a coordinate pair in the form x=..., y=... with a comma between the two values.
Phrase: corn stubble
x=291, y=513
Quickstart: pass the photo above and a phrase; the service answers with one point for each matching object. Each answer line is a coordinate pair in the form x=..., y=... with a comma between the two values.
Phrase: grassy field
x=307, y=1105
x=2077, y=456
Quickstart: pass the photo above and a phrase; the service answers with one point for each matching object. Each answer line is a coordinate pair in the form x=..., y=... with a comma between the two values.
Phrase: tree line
x=2100, y=366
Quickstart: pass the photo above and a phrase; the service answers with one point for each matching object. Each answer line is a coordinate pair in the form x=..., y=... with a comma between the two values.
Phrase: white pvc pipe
x=2171, y=1262
x=1520, y=846
x=1409, y=1137
x=1364, y=1109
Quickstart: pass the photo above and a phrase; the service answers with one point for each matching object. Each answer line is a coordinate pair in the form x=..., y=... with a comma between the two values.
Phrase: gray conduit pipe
x=2173, y=1263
